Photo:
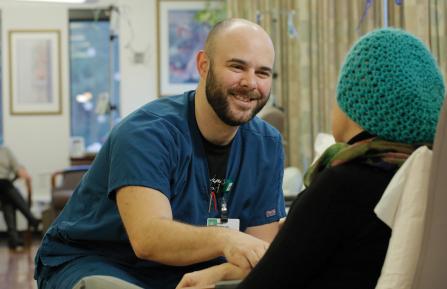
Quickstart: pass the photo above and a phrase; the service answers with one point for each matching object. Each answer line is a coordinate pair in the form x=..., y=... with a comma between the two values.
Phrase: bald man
x=183, y=183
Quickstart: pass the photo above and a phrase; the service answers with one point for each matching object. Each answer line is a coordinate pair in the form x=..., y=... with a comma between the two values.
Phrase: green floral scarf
x=373, y=151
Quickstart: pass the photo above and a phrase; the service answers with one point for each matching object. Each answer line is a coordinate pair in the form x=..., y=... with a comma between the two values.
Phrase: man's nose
x=249, y=80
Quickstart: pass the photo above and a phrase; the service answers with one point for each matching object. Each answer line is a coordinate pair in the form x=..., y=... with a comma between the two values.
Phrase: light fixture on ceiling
x=61, y=1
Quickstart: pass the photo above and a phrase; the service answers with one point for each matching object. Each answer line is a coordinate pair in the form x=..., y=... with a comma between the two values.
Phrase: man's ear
x=202, y=63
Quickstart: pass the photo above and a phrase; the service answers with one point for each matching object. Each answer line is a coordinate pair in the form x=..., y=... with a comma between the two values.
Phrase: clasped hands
x=242, y=252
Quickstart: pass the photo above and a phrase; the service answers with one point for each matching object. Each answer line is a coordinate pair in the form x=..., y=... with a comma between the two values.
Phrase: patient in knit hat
x=389, y=96
x=391, y=87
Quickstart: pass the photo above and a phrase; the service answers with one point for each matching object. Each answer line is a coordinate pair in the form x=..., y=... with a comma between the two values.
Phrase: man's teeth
x=246, y=99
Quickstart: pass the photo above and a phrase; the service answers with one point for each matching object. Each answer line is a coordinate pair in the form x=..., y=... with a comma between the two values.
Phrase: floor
x=17, y=268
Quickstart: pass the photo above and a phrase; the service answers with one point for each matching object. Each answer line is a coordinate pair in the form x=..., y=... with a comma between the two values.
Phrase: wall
x=41, y=143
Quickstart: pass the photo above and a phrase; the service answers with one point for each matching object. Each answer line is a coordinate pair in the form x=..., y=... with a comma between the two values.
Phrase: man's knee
x=89, y=272
x=104, y=282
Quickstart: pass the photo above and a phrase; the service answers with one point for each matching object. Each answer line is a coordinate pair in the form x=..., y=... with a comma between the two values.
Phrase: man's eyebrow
x=237, y=60
x=266, y=69
x=242, y=62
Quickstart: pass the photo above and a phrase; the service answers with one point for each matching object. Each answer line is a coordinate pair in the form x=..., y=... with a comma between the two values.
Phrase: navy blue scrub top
x=159, y=146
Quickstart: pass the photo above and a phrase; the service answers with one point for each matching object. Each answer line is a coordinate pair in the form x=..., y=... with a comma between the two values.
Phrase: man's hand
x=208, y=277
x=244, y=250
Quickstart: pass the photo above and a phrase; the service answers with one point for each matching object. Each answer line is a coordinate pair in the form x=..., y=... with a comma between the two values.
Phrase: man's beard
x=218, y=99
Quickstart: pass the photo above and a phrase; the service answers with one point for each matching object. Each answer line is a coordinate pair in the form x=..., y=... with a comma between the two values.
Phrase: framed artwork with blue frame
x=180, y=37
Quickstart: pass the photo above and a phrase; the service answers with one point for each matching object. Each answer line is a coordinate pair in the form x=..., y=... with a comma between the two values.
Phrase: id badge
x=217, y=222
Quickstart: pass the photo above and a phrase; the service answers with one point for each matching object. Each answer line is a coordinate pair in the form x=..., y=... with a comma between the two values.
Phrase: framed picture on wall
x=34, y=72
x=180, y=37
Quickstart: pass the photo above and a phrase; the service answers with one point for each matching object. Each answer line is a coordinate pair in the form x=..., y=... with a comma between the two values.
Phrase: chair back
x=431, y=268
x=63, y=184
x=275, y=117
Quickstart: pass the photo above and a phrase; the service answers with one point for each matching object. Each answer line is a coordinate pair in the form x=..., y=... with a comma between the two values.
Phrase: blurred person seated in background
x=389, y=95
x=10, y=198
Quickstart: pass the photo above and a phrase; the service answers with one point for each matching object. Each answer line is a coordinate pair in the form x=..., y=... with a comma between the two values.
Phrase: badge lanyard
x=217, y=190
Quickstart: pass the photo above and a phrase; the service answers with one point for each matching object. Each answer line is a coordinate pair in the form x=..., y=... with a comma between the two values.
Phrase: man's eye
x=264, y=73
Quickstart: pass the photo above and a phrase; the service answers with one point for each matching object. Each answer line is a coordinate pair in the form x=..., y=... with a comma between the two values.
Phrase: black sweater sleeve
x=326, y=223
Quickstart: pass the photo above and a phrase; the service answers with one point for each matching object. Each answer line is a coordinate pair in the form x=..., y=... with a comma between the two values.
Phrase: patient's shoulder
x=352, y=182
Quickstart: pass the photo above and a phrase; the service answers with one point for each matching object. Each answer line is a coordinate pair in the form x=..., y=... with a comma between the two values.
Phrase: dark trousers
x=10, y=201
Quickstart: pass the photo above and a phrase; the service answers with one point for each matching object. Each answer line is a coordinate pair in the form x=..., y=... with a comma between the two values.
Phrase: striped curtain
x=307, y=63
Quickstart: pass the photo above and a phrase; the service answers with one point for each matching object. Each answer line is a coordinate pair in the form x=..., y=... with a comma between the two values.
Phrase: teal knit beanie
x=391, y=86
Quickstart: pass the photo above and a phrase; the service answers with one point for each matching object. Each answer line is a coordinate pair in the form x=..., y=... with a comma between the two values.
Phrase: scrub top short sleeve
x=150, y=162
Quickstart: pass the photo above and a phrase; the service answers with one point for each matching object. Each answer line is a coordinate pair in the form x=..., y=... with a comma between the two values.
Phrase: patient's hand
x=212, y=275
x=281, y=223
